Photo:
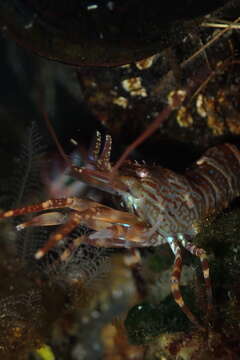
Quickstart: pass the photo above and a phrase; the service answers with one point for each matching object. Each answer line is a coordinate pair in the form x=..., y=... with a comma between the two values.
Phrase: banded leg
x=96, y=214
x=97, y=211
x=46, y=205
x=73, y=221
x=201, y=254
x=112, y=227
x=175, y=283
x=111, y=235
x=67, y=253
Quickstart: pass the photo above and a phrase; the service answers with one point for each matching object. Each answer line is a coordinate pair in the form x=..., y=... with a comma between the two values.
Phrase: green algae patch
x=146, y=321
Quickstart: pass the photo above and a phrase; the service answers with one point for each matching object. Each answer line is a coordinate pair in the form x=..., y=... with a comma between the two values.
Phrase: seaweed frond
x=26, y=180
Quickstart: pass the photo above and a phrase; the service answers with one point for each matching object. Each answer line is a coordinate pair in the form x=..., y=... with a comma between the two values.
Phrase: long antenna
x=55, y=139
x=174, y=102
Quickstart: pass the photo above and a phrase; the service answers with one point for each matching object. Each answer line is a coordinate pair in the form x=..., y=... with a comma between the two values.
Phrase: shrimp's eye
x=100, y=32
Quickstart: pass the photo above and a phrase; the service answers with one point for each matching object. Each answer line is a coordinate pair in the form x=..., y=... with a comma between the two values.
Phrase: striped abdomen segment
x=216, y=177
x=170, y=204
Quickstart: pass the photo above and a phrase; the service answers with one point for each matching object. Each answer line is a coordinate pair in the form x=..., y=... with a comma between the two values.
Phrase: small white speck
x=126, y=225
x=73, y=141
x=202, y=160
x=31, y=23
x=139, y=307
x=20, y=227
x=28, y=26
x=39, y=254
x=92, y=7
x=142, y=173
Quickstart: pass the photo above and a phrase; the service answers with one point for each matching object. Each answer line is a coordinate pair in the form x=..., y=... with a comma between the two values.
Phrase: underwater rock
x=94, y=33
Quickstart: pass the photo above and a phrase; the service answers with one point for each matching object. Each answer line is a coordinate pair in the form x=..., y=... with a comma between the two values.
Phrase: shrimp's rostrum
x=164, y=207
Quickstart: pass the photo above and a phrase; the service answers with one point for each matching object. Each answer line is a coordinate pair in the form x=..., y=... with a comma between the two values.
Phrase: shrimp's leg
x=73, y=203
x=201, y=254
x=46, y=219
x=45, y=205
x=73, y=221
x=106, y=235
x=108, y=223
x=175, y=282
